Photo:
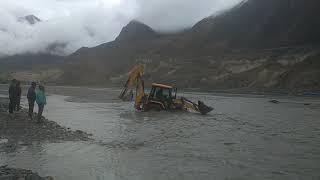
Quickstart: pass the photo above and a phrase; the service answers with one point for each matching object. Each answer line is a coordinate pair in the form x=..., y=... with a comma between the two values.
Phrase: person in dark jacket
x=18, y=96
x=12, y=95
x=31, y=96
x=41, y=101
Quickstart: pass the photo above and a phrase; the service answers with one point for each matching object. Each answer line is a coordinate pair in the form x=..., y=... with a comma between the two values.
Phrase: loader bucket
x=204, y=109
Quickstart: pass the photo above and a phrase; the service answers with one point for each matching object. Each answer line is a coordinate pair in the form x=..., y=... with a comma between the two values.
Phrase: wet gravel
x=7, y=173
x=21, y=128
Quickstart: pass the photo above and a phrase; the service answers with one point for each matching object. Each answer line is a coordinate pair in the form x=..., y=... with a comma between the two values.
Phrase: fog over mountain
x=68, y=25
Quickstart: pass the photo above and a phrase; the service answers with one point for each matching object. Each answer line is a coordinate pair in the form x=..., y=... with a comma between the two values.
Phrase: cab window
x=161, y=93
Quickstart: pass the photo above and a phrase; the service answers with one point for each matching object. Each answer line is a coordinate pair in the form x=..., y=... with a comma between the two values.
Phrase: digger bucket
x=200, y=107
x=204, y=109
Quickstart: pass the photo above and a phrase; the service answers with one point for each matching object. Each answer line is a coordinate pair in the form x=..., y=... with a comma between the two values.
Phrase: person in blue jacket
x=41, y=101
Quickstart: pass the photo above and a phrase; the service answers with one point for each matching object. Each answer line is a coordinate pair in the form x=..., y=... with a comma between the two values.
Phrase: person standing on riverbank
x=41, y=101
x=18, y=96
x=12, y=96
x=31, y=96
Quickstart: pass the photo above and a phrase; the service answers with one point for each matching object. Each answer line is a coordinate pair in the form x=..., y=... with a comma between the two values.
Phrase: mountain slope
x=136, y=30
x=31, y=67
x=31, y=19
x=259, y=24
x=254, y=45
x=109, y=59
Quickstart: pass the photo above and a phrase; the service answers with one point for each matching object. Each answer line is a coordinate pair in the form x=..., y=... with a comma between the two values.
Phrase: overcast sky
x=79, y=23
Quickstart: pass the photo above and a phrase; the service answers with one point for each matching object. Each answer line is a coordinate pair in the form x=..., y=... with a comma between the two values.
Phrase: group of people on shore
x=33, y=96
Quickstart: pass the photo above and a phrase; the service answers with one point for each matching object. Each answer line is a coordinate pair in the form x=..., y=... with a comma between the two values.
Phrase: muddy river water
x=245, y=137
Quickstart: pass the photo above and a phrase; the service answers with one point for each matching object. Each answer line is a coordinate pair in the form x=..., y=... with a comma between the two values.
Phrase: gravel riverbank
x=7, y=173
x=21, y=131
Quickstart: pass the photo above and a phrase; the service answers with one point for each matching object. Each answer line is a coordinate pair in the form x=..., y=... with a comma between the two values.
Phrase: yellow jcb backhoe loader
x=161, y=97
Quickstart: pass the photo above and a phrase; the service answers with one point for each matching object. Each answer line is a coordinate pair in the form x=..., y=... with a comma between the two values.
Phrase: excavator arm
x=134, y=81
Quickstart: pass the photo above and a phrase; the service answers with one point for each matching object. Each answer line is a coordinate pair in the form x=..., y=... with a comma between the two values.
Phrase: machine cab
x=161, y=92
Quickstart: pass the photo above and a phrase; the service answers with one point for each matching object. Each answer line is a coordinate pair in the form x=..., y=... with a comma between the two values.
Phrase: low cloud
x=70, y=24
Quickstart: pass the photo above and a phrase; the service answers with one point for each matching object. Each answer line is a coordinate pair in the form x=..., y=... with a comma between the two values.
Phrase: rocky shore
x=7, y=173
x=19, y=131
x=21, y=128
